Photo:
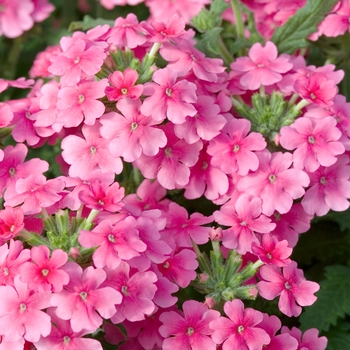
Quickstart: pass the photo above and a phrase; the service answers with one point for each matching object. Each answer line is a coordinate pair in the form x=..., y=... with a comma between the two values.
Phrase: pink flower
x=171, y=165
x=315, y=142
x=168, y=98
x=62, y=337
x=127, y=32
x=11, y=223
x=274, y=182
x=189, y=330
x=123, y=85
x=292, y=287
x=316, y=88
x=116, y=241
x=183, y=229
x=20, y=307
x=245, y=219
x=132, y=133
x=232, y=150
x=272, y=252
x=137, y=290
x=15, y=17
x=262, y=67
x=308, y=340
x=91, y=153
x=184, y=58
x=240, y=331
x=77, y=61
x=329, y=189
x=84, y=301
x=43, y=274
x=6, y=115
x=80, y=102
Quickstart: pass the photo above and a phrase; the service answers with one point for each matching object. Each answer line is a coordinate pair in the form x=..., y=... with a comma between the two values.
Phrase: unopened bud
x=215, y=234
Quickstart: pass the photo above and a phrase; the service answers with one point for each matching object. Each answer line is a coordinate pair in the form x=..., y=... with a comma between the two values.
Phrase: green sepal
x=5, y=132
x=124, y=59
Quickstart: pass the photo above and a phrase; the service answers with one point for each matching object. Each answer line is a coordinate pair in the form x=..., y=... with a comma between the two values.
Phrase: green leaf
x=333, y=300
x=341, y=218
x=292, y=35
x=89, y=23
x=211, y=40
x=204, y=21
x=217, y=7
x=339, y=337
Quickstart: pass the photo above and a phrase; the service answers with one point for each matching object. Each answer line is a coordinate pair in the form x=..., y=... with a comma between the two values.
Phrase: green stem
x=303, y=103
x=154, y=49
x=238, y=16
x=13, y=58
x=225, y=53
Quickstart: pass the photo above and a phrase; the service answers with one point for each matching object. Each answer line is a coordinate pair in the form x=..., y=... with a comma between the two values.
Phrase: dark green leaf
x=292, y=35
x=333, y=300
x=339, y=337
x=89, y=23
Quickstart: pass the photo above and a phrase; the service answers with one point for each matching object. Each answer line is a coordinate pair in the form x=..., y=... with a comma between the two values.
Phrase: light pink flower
x=80, y=102
x=240, y=331
x=290, y=284
x=169, y=98
x=262, y=67
x=232, y=150
x=132, y=133
x=274, y=182
x=116, y=241
x=84, y=301
x=190, y=329
x=43, y=274
x=244, y=219
x=315, y=143
x=20, y=307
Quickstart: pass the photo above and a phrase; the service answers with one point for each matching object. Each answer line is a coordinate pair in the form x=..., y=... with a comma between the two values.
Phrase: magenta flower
x=308, y=340
x=315, y=142
x=245, y=219
x=137, y=290
x=183, y=229
x=35, y=193
x=189, y=330
x=89, y=153
x=123, y=85
x=132, y=133
x=290, y=284
x=316, y=88
x=272, y=252
x=329, y=188
x=232, y=150
x=274, y=182
x=127, y=32
x=77, y=61
x=262, y=67
x=20, y=307
x=169, y=98
x=116, y=241
x=80, y=102
x=62, y=337
x=240, y=331
x=83, y=301
x=185, y=58
x=43, y=274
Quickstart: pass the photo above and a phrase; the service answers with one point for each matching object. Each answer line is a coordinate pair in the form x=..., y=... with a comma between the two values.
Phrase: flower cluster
x=103, y=248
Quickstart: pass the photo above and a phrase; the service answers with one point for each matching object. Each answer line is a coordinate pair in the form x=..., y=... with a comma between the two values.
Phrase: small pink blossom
x=84, y=301
x=262, y=67
x=315, y=143
x=240, y=331
x=290, y=284
x=169, y=98
x=11, y=223
x=190, y=329
x=123, y=85
x=21, y=308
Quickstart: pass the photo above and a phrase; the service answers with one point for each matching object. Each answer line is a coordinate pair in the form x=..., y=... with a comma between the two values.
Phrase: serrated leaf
x=204, y=21
x=333, y=300
x=88, y=23
x=339, y=337
x=293, y=34
x=211, y=40
x=217, y=7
